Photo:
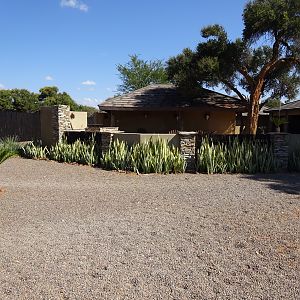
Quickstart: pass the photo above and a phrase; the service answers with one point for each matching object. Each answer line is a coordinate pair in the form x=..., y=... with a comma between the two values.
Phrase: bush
x=235, y=156
x=8, y=147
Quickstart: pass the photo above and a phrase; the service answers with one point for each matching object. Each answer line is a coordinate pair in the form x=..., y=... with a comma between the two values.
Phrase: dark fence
x=24, y=125
x=85, y=136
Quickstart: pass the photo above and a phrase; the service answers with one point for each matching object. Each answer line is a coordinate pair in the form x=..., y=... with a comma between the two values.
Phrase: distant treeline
x=24, y=100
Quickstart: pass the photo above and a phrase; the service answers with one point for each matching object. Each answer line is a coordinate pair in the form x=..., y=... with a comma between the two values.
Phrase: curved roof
x=169, y=97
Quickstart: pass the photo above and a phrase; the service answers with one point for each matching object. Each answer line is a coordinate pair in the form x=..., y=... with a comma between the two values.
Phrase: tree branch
x=285, y=61
x=235, y=90
x=267, y=67
x=246, y=75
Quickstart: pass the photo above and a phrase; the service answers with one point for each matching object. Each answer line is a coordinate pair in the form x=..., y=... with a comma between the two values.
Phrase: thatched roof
x=289, y=106
x=169, y=97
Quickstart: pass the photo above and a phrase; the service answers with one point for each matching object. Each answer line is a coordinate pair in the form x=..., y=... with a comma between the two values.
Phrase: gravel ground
x=74, y=232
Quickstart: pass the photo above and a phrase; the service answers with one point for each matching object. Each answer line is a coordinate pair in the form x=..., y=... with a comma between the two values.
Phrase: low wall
x=294, y=141
x=134, y=138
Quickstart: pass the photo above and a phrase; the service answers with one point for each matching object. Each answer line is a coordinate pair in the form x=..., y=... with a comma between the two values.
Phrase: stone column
x=61, y=121
x=106, y=140
x=280, y=148
x=55, y=120
x=187, y=143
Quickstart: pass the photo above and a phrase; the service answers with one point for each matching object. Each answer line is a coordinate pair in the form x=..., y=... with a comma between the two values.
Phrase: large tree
x=49, y=96
x=138, y=73
x=263, y=63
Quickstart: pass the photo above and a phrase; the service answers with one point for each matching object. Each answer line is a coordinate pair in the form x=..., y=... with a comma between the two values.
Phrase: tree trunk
x=253, y=112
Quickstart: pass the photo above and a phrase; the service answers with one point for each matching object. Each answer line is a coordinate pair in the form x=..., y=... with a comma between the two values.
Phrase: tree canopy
x=138, y=73
x=263, y=63
x=24, y=100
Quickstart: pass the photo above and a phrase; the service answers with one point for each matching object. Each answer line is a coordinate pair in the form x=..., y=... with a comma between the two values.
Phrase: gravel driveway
x=74, y=232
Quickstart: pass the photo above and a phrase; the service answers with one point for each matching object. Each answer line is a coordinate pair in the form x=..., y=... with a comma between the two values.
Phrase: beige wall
x=78, y=120
x=221, y=121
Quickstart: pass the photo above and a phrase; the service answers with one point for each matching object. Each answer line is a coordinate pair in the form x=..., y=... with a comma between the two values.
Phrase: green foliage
x=294, y=160
x=50, y=96
x=9, y=147
x=138, y=73
x=48, y=91
x=148, y=157
x=235, y=156
x=279, y=121
x=273, y=103
x=6, y=100
x=35, y=151
x=78, y=152
x=23, y=100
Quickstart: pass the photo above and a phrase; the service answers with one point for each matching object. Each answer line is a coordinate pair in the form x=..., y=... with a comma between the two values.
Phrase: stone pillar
x=280, y=148
x=106, y=140
x=187, y=143
x=55, y=120
x=61, y=121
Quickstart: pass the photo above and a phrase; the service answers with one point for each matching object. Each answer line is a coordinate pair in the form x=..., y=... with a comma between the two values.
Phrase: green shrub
x=294, y=160
x=8, y=147
x=235, y=156
x=148, y=157
x=78, y=152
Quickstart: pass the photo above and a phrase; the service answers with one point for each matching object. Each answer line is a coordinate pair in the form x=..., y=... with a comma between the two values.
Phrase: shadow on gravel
x=286, y=182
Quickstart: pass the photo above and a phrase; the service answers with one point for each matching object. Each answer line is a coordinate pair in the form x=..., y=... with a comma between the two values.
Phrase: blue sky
x=76, y=44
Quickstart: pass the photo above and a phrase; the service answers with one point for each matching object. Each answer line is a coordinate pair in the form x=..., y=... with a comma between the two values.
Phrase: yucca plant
x=147, y=157
x=78, y=152
x=116, y=158
x=235, y=156
x=34, y=150
x=9, y=147
x=294, y=159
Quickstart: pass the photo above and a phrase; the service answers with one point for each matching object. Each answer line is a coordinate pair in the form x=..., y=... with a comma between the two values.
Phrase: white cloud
x=49, y=78
x=88, y=82
x=74, y=4
x=2, y=86
x=90, y=101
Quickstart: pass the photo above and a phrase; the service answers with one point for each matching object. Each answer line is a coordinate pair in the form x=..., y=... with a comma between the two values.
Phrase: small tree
x=138, y=73
x=265, y=62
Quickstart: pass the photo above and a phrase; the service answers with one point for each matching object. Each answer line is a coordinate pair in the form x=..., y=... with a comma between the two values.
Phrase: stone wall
x=55, y=120
x=187, y=144
x=280, y=149
x=106, y=140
